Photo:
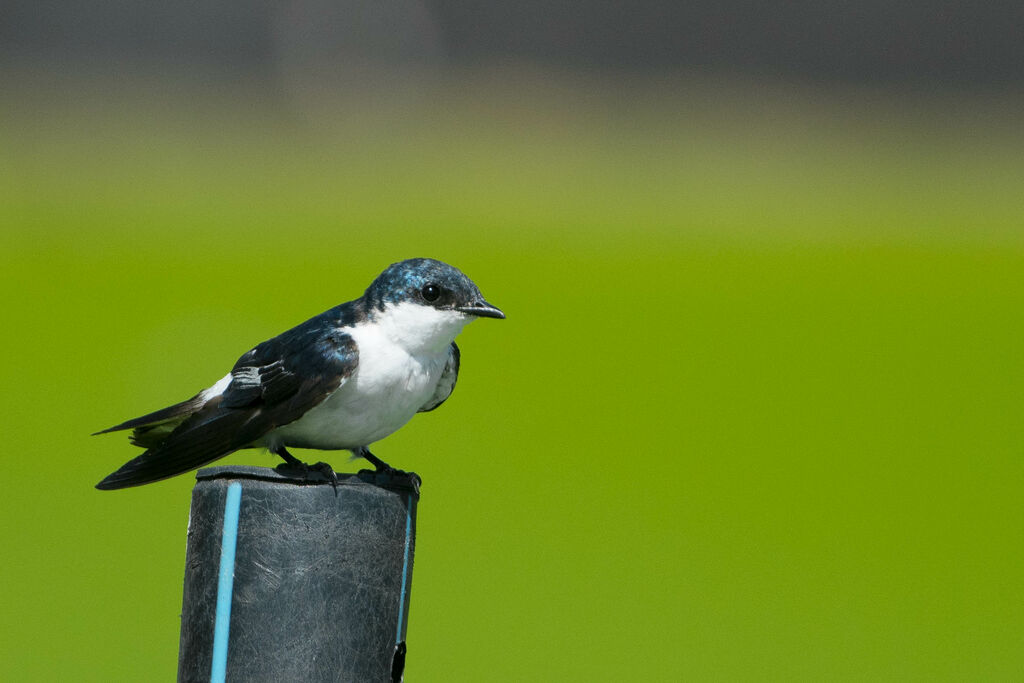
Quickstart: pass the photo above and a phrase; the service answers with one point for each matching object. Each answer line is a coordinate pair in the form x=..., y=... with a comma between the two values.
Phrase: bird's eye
x=431, y=292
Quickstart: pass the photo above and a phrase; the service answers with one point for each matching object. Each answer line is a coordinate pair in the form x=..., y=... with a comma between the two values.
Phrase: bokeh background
x=755, y=413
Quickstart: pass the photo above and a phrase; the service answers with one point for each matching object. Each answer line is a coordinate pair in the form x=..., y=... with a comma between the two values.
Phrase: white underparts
x=402, y=355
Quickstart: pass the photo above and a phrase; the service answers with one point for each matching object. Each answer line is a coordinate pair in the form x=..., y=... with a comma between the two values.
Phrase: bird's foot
x=321, y=468
x=292, y=464
x=392, y=473
x=381, y=467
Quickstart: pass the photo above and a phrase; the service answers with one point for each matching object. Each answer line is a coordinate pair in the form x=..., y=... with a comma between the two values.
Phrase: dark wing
x=272, y=385
x=446, y=384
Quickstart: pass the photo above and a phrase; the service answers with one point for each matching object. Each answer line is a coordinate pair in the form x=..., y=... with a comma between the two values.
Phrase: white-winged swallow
x=342, y=380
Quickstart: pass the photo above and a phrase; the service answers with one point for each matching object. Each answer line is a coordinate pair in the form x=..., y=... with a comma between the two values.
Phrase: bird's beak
x=482, y=309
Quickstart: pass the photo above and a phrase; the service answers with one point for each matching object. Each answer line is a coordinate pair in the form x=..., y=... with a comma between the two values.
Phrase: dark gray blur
x=955, y=43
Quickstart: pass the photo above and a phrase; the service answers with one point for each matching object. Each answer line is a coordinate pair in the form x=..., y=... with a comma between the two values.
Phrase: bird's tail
x=150, y=431
x=200, y=439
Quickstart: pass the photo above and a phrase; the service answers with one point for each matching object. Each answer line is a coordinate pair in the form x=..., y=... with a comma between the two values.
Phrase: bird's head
x=427, y=299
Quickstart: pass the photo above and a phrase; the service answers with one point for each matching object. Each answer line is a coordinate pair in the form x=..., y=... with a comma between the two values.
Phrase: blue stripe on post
x=405, y=567
x=225, y=583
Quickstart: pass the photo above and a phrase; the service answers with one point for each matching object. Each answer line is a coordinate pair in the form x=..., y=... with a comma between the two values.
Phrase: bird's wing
x=446, y=384
x=272, y=385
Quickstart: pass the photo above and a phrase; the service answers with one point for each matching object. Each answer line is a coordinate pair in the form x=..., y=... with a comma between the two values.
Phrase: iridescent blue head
x=428, y=282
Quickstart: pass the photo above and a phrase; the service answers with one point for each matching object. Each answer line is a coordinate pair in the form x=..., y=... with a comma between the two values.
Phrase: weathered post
x=288, y=578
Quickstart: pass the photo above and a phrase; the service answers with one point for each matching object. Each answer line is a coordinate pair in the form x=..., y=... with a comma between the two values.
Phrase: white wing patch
x=218, y=388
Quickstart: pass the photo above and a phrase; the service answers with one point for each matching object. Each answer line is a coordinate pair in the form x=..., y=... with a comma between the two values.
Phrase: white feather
x=217, y=389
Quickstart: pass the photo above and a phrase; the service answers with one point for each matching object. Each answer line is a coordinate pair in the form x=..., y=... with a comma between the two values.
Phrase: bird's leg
x=293, y=463
x=289, y=459
x=379, y=464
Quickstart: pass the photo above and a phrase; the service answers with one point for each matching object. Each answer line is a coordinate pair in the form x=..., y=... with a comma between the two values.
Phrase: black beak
x=482, y=309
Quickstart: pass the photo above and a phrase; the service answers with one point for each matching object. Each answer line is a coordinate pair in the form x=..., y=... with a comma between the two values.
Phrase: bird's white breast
x=401, y=358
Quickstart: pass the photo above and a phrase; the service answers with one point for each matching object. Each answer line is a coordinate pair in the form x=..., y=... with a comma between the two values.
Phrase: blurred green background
x=755, y=413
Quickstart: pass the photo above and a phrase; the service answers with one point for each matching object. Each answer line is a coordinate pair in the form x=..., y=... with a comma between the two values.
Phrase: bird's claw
x=328, y=471
x=305, y=469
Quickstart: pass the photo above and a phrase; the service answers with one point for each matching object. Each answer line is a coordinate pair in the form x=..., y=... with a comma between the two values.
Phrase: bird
x=342, y=380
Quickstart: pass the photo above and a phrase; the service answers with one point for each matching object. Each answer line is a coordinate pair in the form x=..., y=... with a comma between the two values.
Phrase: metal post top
x=396, y=481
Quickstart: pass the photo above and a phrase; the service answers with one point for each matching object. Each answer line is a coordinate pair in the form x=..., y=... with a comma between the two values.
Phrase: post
x=289, y=579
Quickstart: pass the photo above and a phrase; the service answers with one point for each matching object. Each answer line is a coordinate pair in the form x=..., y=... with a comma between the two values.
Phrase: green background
x=755, y=413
